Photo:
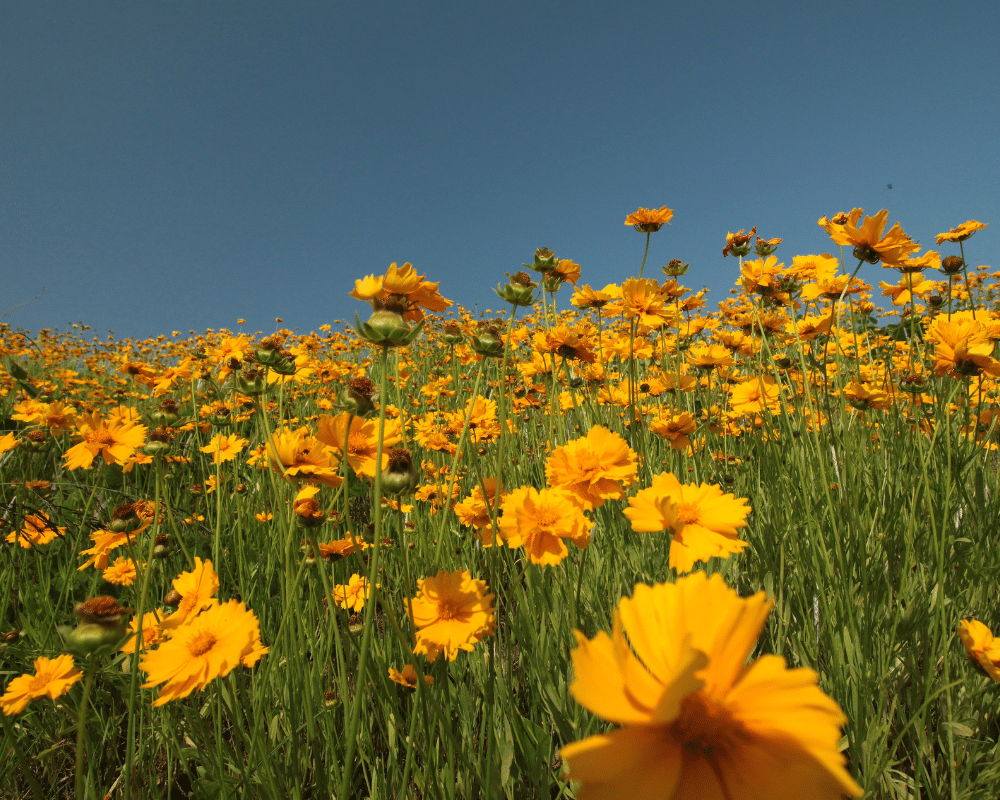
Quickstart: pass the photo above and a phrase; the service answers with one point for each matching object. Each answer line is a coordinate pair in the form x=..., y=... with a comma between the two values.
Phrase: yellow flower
x=593, y=468
x=224, y=448
x=698, y=721
x=151, y=633
x=121, y=573
x=353, y=594
x=451, y=612
x=961, y=233
x=7, y=442
x=645, y=300
x=300, y=456
x=208, y=647
x=52, y=679
x=981, y=646
x=474, y=511
x=362, y=440
x=754, y=395
x=539, y=521
x=105, y=542
x=704, y=521
x=674, y=427
x=115, y=440
x=197, y=590
x=649, y=220
x=36, y=530
x=408, y=677
x=867, y=237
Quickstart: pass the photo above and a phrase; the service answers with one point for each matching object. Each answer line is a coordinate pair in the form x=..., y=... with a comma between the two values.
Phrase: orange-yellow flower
x=705, y=521
x=644, y=299
x=209, y=646
x=867, y=237
x=353, y=594
x=224, y=448
x=451, y=612
x=697, y=720
x=961, y=233
x=408, y=677
x=35, y=530
x=52, y=679
x=301, y=456
x=981, y=646
x=197, y=589
x=593, y=468
x=649, y=220
x=541, y=522
x=115, y=440
x=362, y=440
x=754, y=395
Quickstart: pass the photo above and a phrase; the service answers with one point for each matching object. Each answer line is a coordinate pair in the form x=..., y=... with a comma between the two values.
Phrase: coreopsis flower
x=962, y=347
x=115, y=440
x=754, y=396
x=452, y=611
x=643, y=299
x=697, y=721
x=105, y=542
x=649, y=220
x=121, y=572
x=867, y=237
x=585, y=297
x=7, y=442
x=705, y=522
x=564, y=342
x=36, y=529
x=676, y=428
x=151, y=633
x=224, y=448
x=419, y=294
x=911, y=285
x=337, y=549
x=762, y=276
x=408, y=677
x=709, y=356
x=301, y=456
x=594, y=468
x=982, y=648
x=738, y=244
x=541, y=522
x=362, y=440
x=56, y=416
x=475, y=510
x=52, y=679
x=197, y=589
x=863, y=396
x=567, y=270
x=353, y=594
x=209, y=646
x=962, y=232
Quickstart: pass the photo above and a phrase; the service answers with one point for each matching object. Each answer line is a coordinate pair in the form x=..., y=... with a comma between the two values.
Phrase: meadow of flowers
x=600, y=543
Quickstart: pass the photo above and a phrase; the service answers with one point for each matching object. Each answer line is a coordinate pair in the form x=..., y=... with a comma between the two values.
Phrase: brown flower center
x=707, y=727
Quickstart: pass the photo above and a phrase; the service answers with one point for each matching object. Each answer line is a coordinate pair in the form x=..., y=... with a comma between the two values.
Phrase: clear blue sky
x=177, y=165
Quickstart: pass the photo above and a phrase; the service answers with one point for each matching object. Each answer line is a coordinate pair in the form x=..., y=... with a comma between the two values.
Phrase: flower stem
x=81, y=730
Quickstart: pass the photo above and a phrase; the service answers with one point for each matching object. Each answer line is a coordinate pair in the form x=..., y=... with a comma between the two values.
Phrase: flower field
x=617, y=542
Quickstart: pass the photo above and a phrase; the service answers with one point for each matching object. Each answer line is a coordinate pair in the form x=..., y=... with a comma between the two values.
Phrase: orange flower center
x=448, y=610
x=688, y=513
x=103, y=438
x=39, y=682
x=202, y=643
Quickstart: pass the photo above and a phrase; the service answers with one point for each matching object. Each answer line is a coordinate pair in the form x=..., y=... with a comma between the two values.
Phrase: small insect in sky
x=888, y=186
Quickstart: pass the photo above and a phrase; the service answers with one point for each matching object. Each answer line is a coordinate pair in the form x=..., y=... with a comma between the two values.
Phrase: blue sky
x=180, y=165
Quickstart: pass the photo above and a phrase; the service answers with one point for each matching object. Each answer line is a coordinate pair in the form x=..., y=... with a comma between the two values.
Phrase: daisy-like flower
x=362, y=440
x=676, y=428
x=982, y=648
x=197, y=589
x=7, y=442
x=474, y=511
x=697, y=720
x=754, y=395
x=115, y=440
x=564, y=342
x=643, y=299
x=408, y=677
x=451, y=612
x=337, y=549
x=585, y=297
x=962, y=347
x=353, y=594
x=52, y=679
x=867, y=237
x=151, y=632
x=649, y=220
x=209, y=646
x=224, y=448
x=403, y=281
x=961, y=233
x=121, y=572
x=705, y=521
x=299, y=455
x=738, y=244
x=593, y=468
x=541, y=522
x=36, y=529
x=709, y=356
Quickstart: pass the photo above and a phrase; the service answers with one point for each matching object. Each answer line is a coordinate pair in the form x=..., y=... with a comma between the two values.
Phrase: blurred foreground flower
x=698, y=721
x=982, y=648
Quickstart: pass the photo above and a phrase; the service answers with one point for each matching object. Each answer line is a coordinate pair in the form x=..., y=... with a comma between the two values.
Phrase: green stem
x=81, y=730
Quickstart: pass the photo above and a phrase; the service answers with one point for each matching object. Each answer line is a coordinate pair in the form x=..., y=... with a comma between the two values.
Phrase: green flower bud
x=545, y=260
x=402, y=476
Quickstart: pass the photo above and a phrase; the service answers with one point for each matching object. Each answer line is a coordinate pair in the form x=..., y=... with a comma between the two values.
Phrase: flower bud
x=100, y=626
x=11, y=637
x=159, y=444
x=519, y=290
x=487, y=340
x=220, y=417
x=386, y=326
x=675, y=268
x=452, y=333
x=172, y=598
x=251, y=383
x=162, y=547
x=124, y=519
x=545, y=260
x=33, y=441
x=952, y=265
x=357, y=396
x=402, y=476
